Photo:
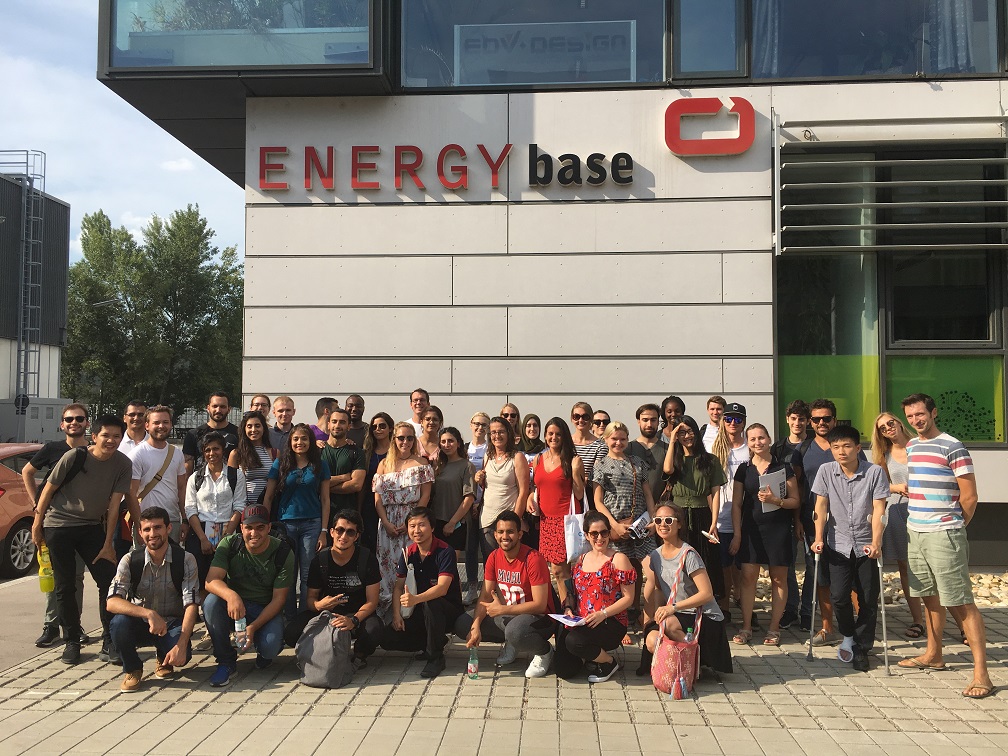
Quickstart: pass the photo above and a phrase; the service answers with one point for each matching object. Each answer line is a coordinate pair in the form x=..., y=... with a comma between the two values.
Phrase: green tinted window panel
x=849, y=381
x=969, y=392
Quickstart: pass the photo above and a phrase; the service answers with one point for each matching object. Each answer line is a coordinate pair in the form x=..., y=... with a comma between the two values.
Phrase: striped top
x=933, y=465
x=256, y=477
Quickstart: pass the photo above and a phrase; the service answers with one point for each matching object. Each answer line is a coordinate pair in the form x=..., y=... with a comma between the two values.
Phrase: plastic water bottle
x=472, y=668
x=45, y=574
x=240, y=636
x=689, y=635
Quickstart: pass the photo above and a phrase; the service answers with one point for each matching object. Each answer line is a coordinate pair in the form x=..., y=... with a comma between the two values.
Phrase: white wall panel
x=686, y=330
x=747, y=375
x=347, y=281
x=602, y=279
x=386, y=230
x=747, y=277
x=639, y=226
x=332, y=376
x=375, y=332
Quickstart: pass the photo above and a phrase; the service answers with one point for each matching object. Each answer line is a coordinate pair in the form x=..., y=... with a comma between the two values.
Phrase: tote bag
x=675, y=665
x=574, y=537
x=407, y=611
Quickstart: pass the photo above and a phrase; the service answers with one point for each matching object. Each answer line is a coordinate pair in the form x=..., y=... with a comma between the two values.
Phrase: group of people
x=263, y=526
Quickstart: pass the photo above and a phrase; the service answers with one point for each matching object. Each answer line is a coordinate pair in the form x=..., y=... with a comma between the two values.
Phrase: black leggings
x=588, y=642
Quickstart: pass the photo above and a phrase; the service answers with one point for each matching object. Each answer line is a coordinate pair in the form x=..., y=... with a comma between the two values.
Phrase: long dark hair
x=248, y=458
x=455, y=433
x=567, y=451
x=680, y=514
x=704, y=459
x=528, y=445
x=369, y=439
x=288, y=460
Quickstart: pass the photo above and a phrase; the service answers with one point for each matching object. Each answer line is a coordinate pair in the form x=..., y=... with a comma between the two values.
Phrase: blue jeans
x=268, y=640
x=305, y=535
x=130, y=633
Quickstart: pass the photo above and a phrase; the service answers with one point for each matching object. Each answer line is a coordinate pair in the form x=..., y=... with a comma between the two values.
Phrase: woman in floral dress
x=403, y=481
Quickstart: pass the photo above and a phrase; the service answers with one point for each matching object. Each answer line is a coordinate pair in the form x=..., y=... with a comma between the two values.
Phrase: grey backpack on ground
x=323, y=654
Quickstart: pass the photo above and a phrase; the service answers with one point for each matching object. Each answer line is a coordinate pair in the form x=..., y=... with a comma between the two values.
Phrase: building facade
x=761, y=199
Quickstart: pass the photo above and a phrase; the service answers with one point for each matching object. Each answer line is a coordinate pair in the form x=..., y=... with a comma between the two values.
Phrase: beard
x=649, y=432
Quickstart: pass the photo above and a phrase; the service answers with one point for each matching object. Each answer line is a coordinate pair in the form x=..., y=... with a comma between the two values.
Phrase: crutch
x=885, y=637
x=815, y=604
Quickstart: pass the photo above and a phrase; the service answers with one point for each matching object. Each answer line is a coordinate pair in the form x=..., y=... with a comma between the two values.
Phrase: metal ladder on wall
x=27, y=167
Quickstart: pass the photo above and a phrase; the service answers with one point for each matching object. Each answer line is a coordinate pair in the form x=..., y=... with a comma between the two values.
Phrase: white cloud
x=178, y=166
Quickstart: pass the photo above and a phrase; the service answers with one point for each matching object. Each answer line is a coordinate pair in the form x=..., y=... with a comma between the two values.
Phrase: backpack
x=177, y=564
x=232, y=477
x=323, y=654
x=237, y=546
x=77, y=466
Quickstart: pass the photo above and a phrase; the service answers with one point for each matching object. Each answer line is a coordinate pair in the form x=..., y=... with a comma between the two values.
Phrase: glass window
x=460, y=43
x=227, y=33
x=827, y=334
x=969, y=392
x=824, y=38
x=707, y=38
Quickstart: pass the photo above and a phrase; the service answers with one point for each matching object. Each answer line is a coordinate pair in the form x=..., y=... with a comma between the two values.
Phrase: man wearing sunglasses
x=344, y=580
x=74, y=424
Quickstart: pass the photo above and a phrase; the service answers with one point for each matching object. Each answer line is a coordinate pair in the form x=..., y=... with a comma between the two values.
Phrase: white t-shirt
x=146, y=462
x=709, y=434
x=735, y=459
x=128, y=444
x=416, y=426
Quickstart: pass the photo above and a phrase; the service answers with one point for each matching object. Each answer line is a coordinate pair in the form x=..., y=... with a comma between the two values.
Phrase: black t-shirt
x=45, y=458
x=351, y=579
x=190, y=445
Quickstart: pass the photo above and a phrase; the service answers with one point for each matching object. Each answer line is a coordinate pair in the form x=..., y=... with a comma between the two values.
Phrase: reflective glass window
x=708, y=36
x=466, y=43
x=247, y=33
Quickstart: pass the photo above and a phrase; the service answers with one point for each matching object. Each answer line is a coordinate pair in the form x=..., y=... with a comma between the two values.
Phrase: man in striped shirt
x=943, y=498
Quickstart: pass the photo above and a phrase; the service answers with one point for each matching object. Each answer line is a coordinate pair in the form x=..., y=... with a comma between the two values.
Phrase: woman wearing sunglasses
x=676, y=563
x=403, y=481
x=586, y=445
x=889, y=440
x=600, y=592
x=511, y=413
x=377, y=439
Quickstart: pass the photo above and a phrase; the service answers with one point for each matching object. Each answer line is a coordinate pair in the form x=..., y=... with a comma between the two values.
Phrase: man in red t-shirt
x=516, y=600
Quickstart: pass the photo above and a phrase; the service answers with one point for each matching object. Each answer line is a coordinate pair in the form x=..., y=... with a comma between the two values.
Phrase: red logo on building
x=708, y=106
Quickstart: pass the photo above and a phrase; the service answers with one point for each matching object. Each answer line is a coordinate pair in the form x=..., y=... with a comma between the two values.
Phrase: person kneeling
x=249, y=578
x=149, y=610
x=344, y=580
x=516, y=600
x=438, y=601
x=851, y=495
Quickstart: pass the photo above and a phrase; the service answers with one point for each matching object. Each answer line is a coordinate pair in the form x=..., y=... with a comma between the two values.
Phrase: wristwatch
x=356, y=622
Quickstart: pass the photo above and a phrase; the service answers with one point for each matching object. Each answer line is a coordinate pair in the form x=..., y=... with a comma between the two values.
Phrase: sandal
x=984, y=690
x=772, y=638
x=915, y=631
x=742, y=637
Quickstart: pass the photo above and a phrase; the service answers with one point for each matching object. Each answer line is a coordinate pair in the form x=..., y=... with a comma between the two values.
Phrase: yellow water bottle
x=45, y=573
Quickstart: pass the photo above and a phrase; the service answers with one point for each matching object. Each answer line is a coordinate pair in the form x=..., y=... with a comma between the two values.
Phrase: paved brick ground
x=776, y=702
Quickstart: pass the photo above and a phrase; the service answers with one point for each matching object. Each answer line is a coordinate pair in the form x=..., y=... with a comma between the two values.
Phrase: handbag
x=675, y=665
x=407, y=611
x=574, y=537
x=323, y=654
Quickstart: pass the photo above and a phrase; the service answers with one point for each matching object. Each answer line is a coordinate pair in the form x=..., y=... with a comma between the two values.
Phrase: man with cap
x=731, y=451
x=248, y=581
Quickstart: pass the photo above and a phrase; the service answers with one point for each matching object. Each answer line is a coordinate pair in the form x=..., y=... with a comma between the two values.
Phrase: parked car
x=16, y=507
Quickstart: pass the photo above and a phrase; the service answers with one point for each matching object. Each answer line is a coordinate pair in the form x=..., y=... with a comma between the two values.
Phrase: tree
x=159, y=320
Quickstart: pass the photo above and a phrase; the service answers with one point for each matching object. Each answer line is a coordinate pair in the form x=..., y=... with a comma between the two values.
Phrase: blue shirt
x=299, y=499
x=851, y=503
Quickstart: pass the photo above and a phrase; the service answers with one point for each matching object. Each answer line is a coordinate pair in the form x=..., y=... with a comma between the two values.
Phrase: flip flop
x=915, y=631
x=915, y=664
x=985, y=690
x=627, y=640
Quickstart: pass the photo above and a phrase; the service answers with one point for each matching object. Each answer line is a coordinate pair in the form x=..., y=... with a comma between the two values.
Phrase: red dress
x=554, y=493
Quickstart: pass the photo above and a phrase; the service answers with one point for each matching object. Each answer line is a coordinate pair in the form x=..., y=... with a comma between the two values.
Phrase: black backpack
x=232, y=477
x=77, y=466
x=137, y=561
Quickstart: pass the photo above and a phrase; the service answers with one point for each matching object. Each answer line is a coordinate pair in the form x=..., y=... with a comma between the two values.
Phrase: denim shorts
x=939, y=565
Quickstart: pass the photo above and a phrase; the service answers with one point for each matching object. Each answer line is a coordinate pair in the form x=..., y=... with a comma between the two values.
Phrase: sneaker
x=822, y=638
x=605, y=671
x=221, y=677
x=860, y=661
x=50, y=634
x=71, y=653
x=109, y=654
x=358, y=663
x=434, y=667
x=471, y=594
x=262, y=662
x=84, y=638
x=131, y=681
x=507, y=655
x=421, y=656
x=540, y=665
x=789, y=618
x=805, y=623
x=164, y=670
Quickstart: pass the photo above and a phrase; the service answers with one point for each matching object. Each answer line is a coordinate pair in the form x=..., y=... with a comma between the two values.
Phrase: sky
x=101, y=154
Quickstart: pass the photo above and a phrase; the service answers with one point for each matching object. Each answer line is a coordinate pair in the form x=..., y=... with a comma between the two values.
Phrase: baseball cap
x=255, y=513
x=735, y=409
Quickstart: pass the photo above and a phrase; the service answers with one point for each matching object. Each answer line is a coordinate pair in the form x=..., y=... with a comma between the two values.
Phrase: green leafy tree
x=159, y=320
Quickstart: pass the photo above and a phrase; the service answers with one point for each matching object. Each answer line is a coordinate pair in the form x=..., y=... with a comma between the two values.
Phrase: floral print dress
x=400, y=492
x=601, y=588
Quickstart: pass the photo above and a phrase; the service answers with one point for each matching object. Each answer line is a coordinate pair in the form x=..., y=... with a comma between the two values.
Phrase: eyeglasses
x=402, y=439
x=74, y=419
x=822, y=419
x=593, y=534
x=601, y=422
x=499, y=433
x=135, y=414
x=341, y=531
x=734, y=420
x=664, y=520
x=379, y=426
x=577, y=417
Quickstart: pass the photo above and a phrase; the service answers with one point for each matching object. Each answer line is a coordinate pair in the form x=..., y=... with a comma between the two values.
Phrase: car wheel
x=18, y=550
